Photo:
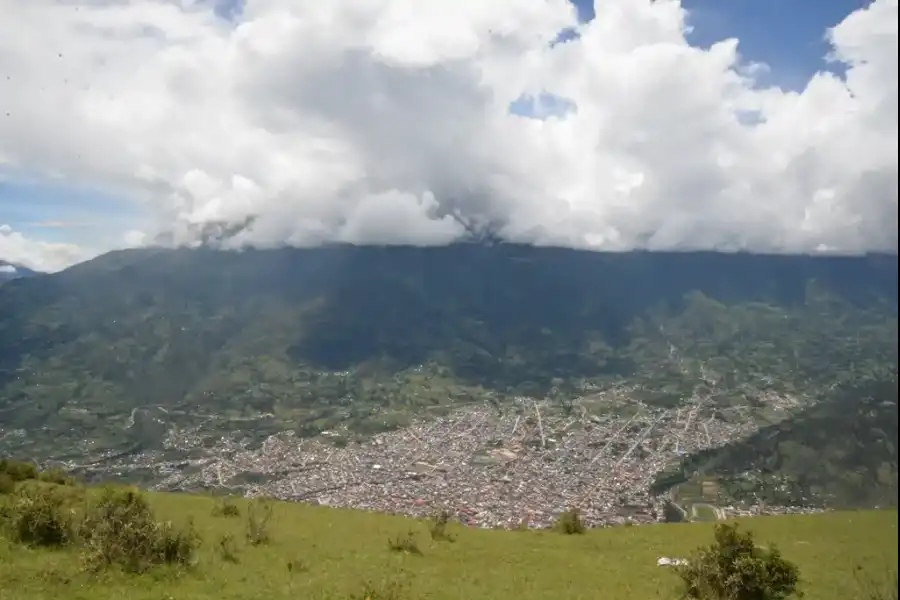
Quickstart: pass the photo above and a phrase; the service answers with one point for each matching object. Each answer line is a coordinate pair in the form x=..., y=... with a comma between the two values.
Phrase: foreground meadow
x=310, y=552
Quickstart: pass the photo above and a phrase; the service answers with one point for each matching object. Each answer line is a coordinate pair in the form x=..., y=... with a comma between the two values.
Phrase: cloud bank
x=37, y=255
x=387, y=121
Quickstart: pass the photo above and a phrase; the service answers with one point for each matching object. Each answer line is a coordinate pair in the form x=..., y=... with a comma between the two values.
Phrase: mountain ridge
x=10, y=271
x=126, y=349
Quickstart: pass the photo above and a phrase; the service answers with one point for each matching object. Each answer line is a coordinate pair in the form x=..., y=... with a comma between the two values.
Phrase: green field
x=323, y=553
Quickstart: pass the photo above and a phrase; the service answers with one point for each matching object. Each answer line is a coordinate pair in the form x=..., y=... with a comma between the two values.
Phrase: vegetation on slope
x=840, y=452
x=364, y=337
x=14, y=472
x=272, y=550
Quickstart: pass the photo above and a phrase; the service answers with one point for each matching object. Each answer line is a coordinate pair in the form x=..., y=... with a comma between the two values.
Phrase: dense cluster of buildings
x=521, y=466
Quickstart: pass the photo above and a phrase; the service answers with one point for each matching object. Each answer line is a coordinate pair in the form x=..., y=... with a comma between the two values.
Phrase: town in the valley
x=489, y=466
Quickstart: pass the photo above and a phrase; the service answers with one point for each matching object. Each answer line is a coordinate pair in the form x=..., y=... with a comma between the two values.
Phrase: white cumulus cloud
x=38, y=255
x=387, y=121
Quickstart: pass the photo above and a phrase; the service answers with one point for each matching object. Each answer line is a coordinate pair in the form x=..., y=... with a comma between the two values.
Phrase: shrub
x=18, y=470
x=735, y=568
x=38, y=516
x=7, y=484
x=438, y=527
x=405, y=543
x=226, y=507
x=228, y=548
x=570, y=523
x=57, y=476
x=259, y=513
x=121, y=530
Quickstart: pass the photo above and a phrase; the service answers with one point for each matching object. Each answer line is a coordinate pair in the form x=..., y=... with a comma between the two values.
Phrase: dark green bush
x=7, y=484
x=18, y=470
x=735, y=568
x=570, y=523
x=39, y=516
x=121, y=530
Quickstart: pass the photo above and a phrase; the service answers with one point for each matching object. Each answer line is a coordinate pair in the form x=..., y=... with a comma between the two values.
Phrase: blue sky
x=786, y=34
x=60, y=213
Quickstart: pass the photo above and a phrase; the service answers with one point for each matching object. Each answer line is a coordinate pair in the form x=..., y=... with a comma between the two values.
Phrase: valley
x=502, y=396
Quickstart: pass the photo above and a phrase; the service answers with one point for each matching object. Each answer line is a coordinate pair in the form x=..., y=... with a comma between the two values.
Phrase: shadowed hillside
x=9, y=271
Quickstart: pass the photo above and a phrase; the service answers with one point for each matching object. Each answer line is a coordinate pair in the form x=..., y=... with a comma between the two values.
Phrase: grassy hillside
x=323, y=553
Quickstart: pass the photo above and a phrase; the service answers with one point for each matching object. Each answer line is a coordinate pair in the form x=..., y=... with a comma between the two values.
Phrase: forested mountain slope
x=838, y=453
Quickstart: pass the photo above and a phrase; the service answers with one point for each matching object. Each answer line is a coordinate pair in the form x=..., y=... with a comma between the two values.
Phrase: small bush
x=57, y=476
x=7, y=484
x=18, y=470
x=38, y=516
x=259, y=513
x=228, y=548
x=226, y=507
x=735, y=568
x=570, y=523
x=438, y=527
x=405, y=543
x=121, y=530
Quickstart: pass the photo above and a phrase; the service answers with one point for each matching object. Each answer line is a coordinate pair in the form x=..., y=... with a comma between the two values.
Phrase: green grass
x=322, y=553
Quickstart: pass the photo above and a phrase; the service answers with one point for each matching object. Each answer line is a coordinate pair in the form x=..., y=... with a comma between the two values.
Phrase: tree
x=735, y=568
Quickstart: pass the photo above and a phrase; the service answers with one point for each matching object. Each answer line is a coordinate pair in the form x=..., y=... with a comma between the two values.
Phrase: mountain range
x=10, y=271
x=118, y=350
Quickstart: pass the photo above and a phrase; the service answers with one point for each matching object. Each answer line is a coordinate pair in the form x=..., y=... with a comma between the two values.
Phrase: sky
x=756, y=125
